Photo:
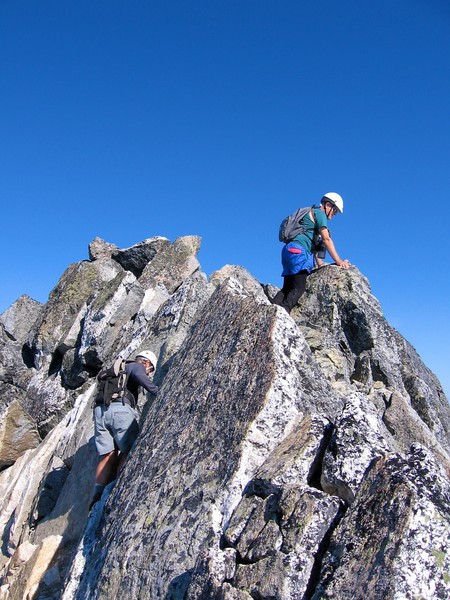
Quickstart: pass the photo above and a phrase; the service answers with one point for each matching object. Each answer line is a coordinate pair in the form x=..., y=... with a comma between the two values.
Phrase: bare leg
x=107, y=468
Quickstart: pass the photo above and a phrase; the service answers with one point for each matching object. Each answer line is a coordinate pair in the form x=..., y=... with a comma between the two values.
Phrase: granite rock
x=284, y=457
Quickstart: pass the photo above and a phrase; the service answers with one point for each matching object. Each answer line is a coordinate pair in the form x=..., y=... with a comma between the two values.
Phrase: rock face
x=285, y=457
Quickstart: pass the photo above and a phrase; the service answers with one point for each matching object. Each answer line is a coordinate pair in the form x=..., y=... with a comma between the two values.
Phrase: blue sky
x=127, y=120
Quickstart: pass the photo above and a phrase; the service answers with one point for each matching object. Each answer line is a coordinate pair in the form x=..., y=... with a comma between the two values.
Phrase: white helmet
x=335, y=199
x=148, y=355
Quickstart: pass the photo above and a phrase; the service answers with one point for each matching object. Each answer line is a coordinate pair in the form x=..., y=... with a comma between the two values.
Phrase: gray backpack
x=292, y=225
x=112, y=383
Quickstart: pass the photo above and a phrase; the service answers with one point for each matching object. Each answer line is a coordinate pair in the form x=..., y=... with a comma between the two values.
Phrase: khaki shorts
x=116, y=427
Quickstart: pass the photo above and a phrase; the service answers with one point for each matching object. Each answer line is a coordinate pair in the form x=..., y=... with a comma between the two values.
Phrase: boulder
x=56, y=328
x=18, y=319
x=18, y=433
x=173, y=264
x=136, y=258
x=98, y=248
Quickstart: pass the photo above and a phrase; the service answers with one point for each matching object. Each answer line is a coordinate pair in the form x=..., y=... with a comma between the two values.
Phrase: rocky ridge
x=285, y=457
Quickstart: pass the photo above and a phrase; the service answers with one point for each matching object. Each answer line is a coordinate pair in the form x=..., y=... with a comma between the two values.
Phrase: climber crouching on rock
x=115, y=415
x=300, y=254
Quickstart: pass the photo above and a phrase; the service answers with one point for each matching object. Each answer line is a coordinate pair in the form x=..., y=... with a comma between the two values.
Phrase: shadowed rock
x=136, y=258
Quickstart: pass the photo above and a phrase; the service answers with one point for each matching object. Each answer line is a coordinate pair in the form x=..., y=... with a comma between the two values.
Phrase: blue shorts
x=116, y=427
x=296, y=258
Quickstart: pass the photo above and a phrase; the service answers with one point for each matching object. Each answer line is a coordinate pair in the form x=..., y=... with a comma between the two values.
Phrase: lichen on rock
x=284, y=457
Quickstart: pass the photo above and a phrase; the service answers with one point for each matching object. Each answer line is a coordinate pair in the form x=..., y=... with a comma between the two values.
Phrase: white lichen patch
x=423, y=564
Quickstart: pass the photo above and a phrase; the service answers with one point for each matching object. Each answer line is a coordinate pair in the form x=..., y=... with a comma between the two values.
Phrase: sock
x=98, y=491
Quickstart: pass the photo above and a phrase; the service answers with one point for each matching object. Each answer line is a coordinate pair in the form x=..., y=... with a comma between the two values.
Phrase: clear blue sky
x=130, y=119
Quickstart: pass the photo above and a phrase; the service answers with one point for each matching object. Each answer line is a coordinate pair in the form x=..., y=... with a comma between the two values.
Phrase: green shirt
x=305, y=239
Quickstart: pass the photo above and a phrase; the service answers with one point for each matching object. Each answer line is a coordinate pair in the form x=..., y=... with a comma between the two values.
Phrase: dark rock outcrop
x=136, y=258
x=285, y=457
x=17, y=319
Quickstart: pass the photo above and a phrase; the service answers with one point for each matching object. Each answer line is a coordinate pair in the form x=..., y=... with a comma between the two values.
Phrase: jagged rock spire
x=301, y=456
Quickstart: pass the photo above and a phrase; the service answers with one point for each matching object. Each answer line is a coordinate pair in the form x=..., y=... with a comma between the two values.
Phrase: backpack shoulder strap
x=119, y=365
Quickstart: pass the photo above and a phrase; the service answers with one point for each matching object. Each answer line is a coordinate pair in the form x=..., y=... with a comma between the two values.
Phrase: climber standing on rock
x=306, y=240
x=115, y=415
